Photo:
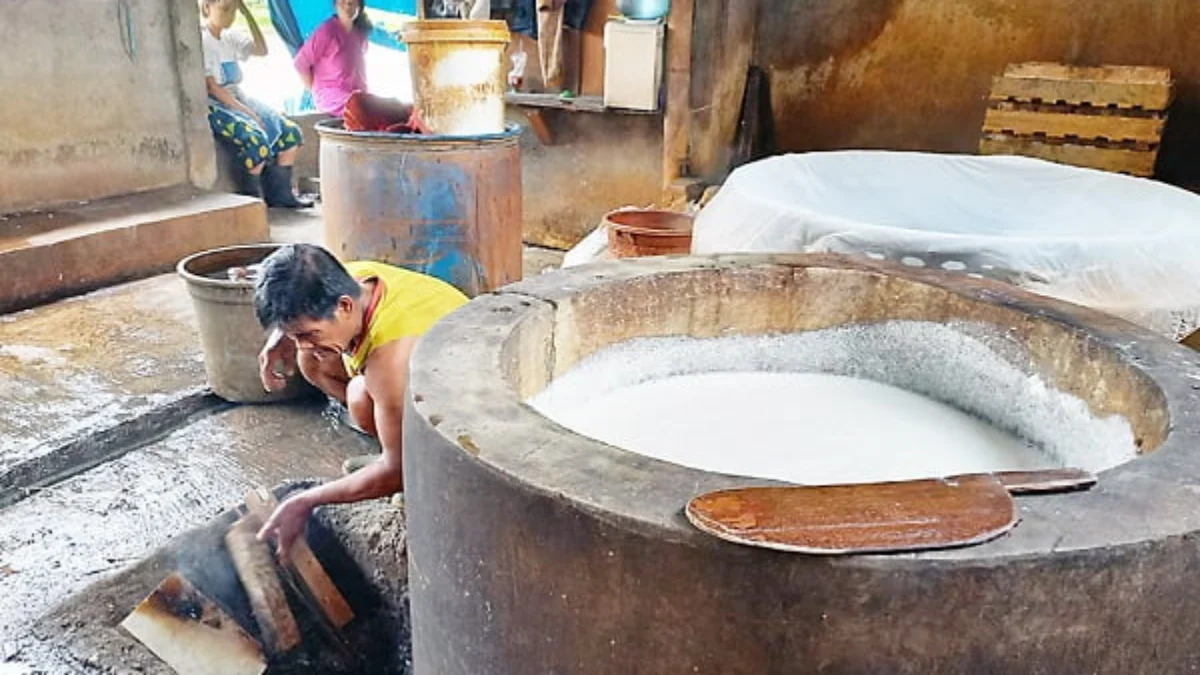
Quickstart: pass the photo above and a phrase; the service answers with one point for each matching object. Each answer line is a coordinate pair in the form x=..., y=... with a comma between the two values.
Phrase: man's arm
x=386, y=377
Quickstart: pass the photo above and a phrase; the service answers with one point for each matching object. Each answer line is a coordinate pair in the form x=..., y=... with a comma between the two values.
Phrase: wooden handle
x=1045, y=480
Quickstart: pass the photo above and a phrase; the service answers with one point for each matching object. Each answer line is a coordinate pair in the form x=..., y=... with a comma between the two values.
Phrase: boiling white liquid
x=800, y=427
x=852, y=403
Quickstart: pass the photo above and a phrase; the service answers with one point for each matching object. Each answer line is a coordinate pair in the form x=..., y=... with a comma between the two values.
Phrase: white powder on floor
x=851, y=404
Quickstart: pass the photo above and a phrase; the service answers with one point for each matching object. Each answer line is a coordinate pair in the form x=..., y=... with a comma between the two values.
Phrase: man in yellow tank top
x=350, y=330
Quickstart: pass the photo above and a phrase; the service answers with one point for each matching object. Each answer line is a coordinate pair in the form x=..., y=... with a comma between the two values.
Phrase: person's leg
x=285, y=139
x=392, y=111
x=362, y=414
x=361, y=405
x=367, y=112
x=282, y=133
x=325, y=372
x=248, y=140
x=550, y=26
x=575, y=16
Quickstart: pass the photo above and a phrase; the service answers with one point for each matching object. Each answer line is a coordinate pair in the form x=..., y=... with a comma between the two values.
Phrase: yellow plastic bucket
x=458, y=74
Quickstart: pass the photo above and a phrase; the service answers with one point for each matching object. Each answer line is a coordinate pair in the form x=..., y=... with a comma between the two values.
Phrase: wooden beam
x=1149, y=96
x=537, y=122
x=1061, y=71
x=260, y=502
x=1118, y=160
x=679, y=67
x=1063, y=125
x=256, y=568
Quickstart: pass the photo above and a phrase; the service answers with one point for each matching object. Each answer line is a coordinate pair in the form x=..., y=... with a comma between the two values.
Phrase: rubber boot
x=277, y=188
x=250, y=185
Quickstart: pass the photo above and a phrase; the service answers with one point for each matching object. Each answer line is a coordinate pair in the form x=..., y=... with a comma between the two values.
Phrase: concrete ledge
x=53, y=254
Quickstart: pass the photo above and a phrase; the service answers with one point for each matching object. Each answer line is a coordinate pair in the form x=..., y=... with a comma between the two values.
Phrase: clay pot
x=637, y=233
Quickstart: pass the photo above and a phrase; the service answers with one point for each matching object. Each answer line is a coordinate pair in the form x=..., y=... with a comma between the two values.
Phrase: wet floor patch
x=88, y=363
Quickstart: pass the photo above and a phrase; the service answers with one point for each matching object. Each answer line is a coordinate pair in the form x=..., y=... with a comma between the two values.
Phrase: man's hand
x=287, y=524
x=277, y=361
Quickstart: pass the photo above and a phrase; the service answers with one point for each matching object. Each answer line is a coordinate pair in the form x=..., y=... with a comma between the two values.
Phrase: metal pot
x=643, y=9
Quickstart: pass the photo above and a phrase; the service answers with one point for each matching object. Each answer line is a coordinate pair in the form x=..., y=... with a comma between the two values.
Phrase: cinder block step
x=53, y=254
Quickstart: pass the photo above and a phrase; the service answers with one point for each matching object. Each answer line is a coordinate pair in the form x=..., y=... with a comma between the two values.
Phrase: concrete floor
x=115, y=379
x=62, y=538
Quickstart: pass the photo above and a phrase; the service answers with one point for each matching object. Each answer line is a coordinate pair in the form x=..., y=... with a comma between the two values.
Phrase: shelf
x=590, y=104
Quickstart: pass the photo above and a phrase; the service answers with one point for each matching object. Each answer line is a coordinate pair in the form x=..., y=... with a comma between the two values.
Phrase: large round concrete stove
x=536, y=549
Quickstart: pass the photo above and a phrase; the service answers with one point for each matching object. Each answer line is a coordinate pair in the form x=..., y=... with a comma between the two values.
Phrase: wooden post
x=726, y=61
x=679, y=67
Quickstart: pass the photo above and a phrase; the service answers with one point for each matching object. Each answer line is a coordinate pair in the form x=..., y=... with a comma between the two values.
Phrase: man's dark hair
x=300, y=280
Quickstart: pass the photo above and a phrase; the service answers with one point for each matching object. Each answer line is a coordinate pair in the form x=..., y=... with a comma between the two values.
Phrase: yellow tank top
x=409, y=304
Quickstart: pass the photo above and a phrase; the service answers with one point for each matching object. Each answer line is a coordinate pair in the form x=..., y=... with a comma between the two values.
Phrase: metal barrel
x=447, y=206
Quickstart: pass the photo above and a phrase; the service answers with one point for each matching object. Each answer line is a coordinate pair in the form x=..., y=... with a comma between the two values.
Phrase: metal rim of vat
x=332, y=129
x=465, y=372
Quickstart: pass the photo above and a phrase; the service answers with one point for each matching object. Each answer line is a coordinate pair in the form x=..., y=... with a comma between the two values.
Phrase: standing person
x=350, y=330
x=557, y=26
x=332, y=65
x=265, y=140
x=332, y=61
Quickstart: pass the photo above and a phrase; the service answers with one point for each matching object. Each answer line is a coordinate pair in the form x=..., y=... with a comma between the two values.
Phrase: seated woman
x=266, y=141
x=332, y=65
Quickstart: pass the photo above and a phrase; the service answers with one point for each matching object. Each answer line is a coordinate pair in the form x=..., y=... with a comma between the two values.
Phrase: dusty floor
x=115, y=379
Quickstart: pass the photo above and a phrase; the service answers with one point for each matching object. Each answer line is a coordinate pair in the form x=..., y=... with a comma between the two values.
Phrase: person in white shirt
x=266, y=142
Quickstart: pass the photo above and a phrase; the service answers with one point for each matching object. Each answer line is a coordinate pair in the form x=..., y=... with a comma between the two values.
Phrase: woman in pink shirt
x=332, y=62
x=332, y=65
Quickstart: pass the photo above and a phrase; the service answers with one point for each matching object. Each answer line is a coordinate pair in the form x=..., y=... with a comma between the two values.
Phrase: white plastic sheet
x=1124, y=245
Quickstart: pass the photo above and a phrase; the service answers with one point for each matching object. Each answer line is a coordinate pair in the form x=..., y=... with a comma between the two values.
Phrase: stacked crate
x=1108, y=117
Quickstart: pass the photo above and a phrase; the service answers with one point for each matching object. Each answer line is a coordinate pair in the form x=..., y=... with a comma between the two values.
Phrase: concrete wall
x=913, y=74
x=597, y=162
x=100, y=99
